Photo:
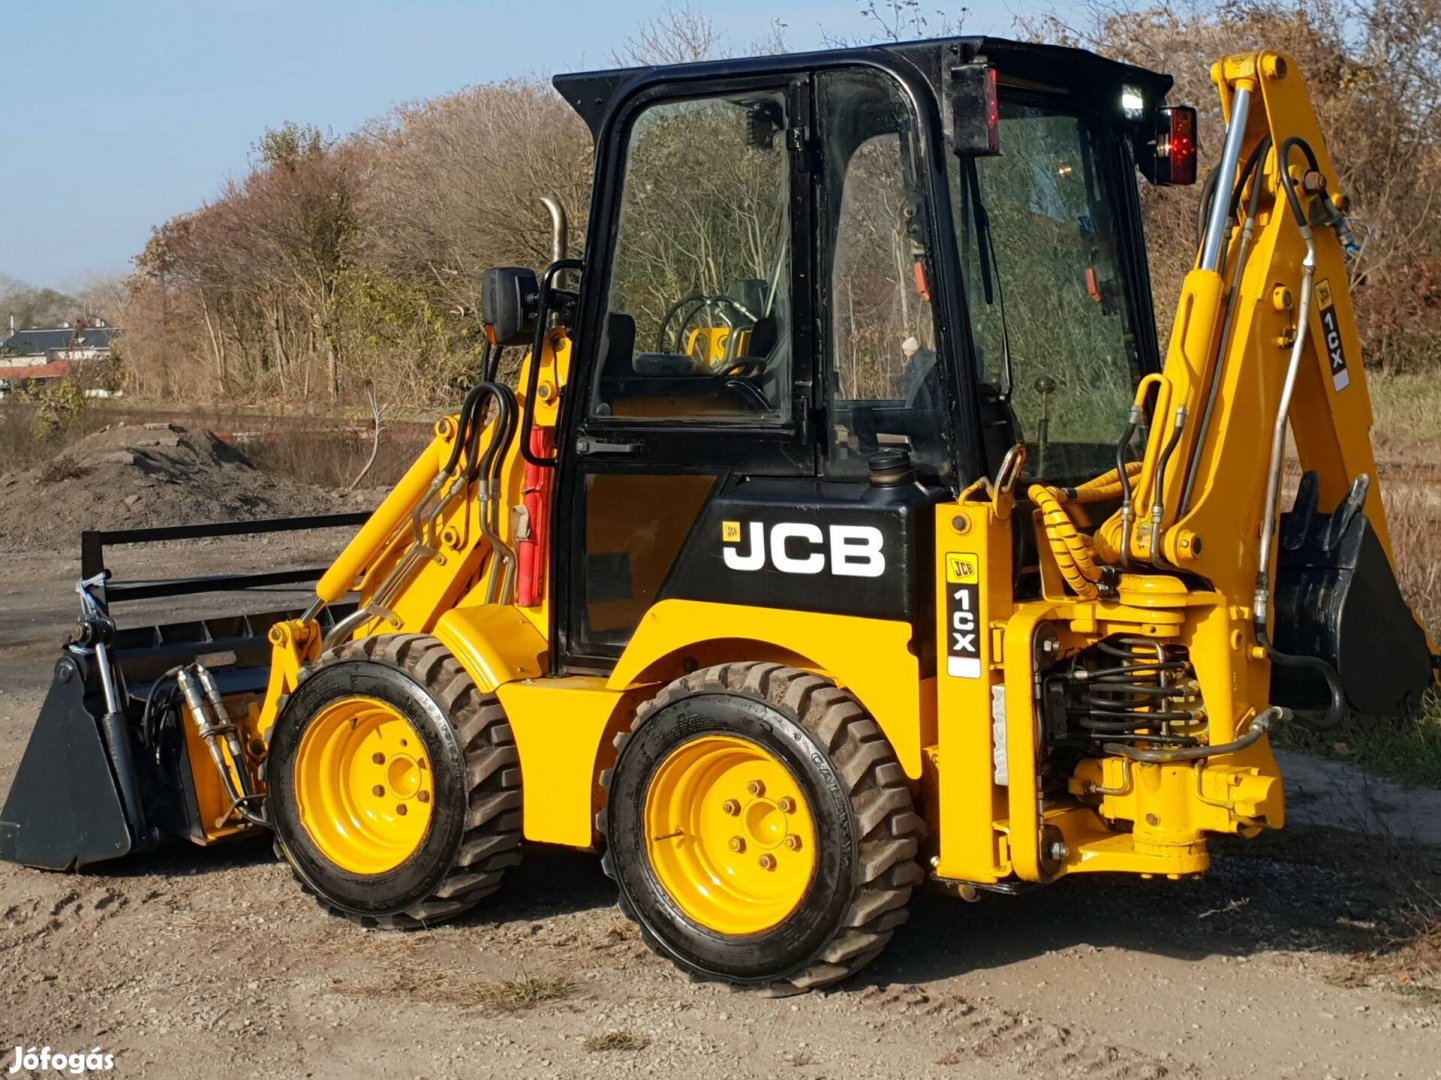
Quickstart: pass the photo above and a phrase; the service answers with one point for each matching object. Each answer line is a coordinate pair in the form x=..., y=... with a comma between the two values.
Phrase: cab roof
x=1059, y=68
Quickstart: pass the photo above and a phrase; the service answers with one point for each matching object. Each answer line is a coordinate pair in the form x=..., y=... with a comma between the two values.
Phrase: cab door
x=695, y=356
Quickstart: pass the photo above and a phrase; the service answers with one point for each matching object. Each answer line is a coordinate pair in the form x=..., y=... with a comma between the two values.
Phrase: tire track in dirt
x=75, y=911
x=980, y=1029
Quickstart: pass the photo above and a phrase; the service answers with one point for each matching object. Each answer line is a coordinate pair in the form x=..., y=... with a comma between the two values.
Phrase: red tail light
x=1176, y=145
x=975, y=107
x=993, y=111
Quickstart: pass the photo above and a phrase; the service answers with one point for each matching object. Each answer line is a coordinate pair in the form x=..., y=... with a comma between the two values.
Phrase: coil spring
x=1140, y=693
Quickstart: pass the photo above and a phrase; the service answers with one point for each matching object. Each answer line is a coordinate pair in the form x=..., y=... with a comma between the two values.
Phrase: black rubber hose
x=149, y=726
x=467, y=408
x=1254, y=159
x=1213, y=178
x=1203, y=208
x=1259, y=727
x=670, y=313
x=1290, y=188
x=1121, y=447
x=504, y=432
x=477, y=429
x=1337, y=710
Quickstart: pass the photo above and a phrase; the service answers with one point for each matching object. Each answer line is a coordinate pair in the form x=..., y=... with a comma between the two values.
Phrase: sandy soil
x=1286, y=961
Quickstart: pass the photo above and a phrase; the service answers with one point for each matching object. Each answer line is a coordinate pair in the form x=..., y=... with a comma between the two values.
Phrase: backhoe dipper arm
x=1265, y=336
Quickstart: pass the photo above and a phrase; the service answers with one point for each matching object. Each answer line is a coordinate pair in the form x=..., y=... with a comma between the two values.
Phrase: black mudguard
x=64, y=808
x=1337, y=599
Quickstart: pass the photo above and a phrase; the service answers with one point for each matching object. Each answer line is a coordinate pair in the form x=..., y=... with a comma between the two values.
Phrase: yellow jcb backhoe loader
x=843, y=529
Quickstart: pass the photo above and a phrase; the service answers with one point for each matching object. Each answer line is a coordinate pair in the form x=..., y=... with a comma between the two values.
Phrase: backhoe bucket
x=114, y=763
x=1337, y=599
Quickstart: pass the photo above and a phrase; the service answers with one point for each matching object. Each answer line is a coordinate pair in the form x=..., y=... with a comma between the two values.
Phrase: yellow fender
x=875, y=659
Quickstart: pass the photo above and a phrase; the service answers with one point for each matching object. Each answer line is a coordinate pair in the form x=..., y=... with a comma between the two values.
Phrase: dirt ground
x=1291, y=959
x=142, y=475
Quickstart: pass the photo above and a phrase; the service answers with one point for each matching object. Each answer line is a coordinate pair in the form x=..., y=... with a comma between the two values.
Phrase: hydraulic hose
x=1071, y=549
x=1257, y=728
x=1074, y=551
x=1158, y=501
x=1336, y=711
x=1106, y=486
x=1278, y=431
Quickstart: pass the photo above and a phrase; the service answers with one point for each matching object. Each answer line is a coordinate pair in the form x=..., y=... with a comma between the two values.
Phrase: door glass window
x=887, y=383
x=1041, y=259
x=698, y=307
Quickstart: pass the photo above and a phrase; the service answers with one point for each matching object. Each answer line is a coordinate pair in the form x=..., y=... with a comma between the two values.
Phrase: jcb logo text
x=803, y=548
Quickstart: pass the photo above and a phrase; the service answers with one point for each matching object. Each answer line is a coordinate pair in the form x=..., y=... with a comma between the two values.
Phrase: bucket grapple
x=119, y=760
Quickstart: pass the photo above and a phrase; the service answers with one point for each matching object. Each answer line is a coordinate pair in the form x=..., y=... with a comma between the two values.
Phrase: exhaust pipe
x=559, y=227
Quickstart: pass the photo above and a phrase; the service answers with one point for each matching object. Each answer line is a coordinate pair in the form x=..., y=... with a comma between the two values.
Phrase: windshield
x=1041, y=259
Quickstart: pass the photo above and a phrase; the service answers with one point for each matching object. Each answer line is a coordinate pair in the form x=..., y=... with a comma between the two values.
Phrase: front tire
x=394, y=784
x=760, y=829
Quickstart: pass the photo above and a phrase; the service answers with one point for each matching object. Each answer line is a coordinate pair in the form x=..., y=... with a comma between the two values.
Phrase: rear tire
x=462, y=777
x=695, y=741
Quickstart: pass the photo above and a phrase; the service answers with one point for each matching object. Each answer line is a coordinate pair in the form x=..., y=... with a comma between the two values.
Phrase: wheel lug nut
x=377, y=790
x=400, y=809
x=756, y=788
x=737, y=844
x=793, y=843
x=768, y=862
x=787, y=805
x=424, y=797
x=731, y=807
x=378, y=758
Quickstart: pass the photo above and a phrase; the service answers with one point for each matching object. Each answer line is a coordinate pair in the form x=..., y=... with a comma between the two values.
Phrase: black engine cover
x=807, y=545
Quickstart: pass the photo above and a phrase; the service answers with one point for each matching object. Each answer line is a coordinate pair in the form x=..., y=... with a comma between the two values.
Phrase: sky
x=119, y=115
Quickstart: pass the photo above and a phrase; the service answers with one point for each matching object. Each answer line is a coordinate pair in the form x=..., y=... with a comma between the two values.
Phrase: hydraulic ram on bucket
x=108, y=769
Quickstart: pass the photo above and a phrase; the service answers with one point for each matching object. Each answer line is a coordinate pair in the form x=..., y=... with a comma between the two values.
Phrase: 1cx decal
x=963, y=610
x=1331, y=331
x=803, y=548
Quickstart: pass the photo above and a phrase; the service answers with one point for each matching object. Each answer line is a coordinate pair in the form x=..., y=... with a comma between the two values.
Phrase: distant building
x=47, y=353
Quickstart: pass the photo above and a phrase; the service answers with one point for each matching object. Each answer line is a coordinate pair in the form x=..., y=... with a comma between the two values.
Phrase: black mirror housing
x=509, y=297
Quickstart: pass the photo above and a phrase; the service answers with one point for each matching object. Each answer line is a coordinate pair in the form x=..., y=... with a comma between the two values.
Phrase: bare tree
x=678, y=35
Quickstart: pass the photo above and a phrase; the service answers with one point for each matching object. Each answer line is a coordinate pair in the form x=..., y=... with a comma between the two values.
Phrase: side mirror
x=764, y=120
x=510, y=298
x=1170, y=159
x=975, y=110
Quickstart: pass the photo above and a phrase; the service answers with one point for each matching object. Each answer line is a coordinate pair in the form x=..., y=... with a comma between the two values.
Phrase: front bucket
x=64, y=808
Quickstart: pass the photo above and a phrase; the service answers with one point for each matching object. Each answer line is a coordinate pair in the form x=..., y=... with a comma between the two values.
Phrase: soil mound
x=136, y=476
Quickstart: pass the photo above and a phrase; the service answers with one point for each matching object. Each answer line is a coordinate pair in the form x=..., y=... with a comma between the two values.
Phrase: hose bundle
x=1076, y=554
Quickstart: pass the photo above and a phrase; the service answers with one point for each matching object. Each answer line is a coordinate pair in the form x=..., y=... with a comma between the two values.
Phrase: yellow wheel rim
x=730, y=834
x=364, y=785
